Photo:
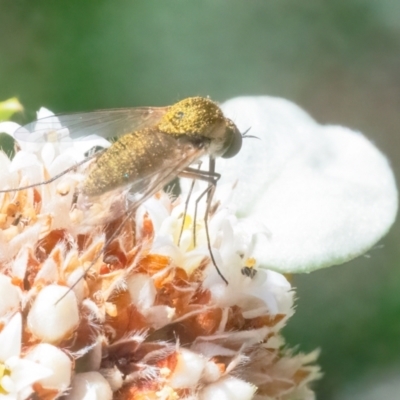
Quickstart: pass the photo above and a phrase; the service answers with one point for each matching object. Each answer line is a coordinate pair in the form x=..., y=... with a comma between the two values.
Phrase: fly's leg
x=212, y=178
x=186, y=208
x=210, y=193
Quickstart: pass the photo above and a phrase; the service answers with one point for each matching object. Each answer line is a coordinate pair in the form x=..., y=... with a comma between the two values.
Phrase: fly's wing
x=90, y=129
x=102, y=123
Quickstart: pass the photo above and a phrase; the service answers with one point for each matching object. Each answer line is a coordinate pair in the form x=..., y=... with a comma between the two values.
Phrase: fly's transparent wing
x=102, y=123
x=89, y=131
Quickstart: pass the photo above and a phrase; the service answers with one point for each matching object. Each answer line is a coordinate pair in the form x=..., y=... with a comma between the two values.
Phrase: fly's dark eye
x=234, y=142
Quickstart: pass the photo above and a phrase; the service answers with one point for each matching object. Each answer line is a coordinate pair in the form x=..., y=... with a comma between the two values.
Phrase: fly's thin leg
x=52, y=179
x=186, y=206
x=209, y=199
x=210, y=193
x=206, y=191
x=195, y=218
x=212, y=178
x=209, y=176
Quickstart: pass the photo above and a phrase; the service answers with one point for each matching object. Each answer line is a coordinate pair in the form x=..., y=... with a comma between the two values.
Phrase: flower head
x=142, y=314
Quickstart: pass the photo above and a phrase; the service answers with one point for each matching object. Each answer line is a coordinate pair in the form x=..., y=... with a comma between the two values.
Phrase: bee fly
x=155, y=145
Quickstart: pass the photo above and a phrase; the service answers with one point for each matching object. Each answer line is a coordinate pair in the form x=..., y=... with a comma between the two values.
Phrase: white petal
x=19, y=265
x=8, y=385
x=52, y=122
x=62, y=162
x=188, y=370
x=25, y=372
x=212, y=372
x=4, y=164
x=159, y=316
x=9, y=295
x=44, y=113
x=54, y=360
x=90, y=386
x=10, y=248
x=142, y=291
x=86, y=143
x=54, y=314
x=324, y=193
x=79, y=285
x=10, y=338
x=29, y=141
x=23, y=159
x=114, y=377
x=8, y=127
x=228, y=388
x=48, y=152
x=48, y=271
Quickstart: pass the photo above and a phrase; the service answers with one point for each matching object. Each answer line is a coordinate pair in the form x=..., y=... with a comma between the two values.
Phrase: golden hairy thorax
x=192, y=116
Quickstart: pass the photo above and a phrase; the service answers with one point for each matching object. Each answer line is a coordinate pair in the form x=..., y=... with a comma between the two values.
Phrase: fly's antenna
x=246, y=131
x=246, y=136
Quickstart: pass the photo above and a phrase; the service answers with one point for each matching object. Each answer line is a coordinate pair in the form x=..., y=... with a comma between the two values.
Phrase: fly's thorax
x=195, y=116
x=201, y=120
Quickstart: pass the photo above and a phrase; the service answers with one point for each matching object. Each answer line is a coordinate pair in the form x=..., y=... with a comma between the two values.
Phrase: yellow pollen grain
x=3, y=372
x=187, y=222
x=167, y=392
x=250, y=262
x=111, y=309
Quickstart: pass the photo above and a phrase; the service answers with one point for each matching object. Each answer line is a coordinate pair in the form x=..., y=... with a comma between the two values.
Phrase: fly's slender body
x=155, y=145
x=153, y=156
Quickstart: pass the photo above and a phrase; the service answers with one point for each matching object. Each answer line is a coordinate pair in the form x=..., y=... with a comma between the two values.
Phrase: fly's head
x=201, y=120
x=233, y=140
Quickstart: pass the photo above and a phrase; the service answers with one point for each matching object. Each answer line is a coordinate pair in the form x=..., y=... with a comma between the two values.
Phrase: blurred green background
x=338, y=59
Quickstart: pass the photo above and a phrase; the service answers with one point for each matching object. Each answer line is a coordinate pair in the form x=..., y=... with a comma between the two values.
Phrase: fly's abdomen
x=133, y=157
